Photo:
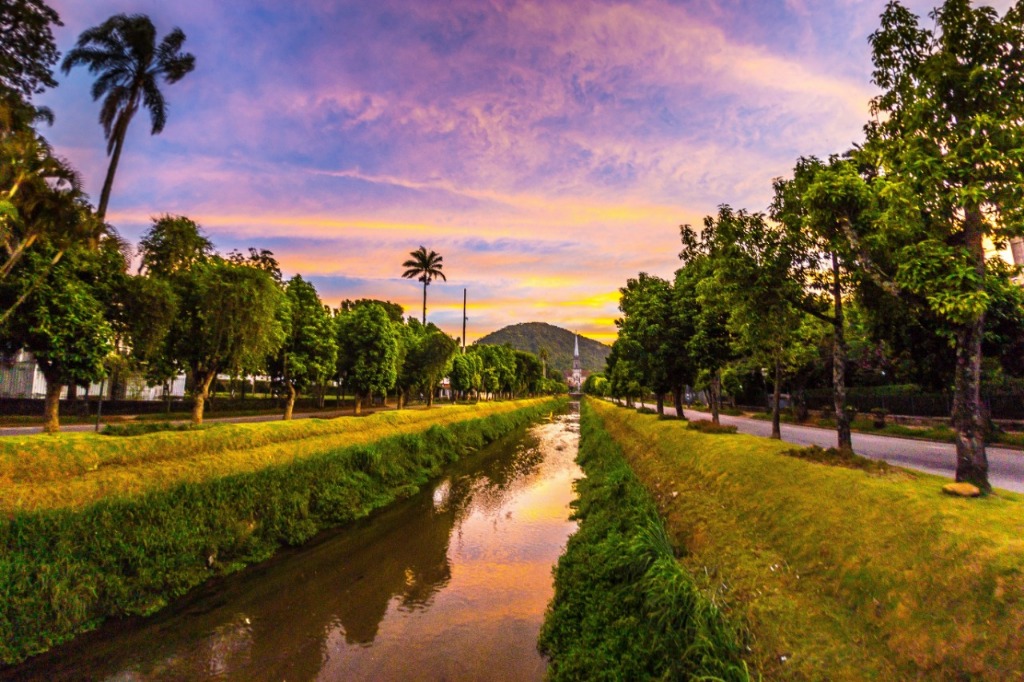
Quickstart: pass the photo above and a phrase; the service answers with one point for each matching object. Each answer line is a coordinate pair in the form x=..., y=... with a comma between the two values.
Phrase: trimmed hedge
x=64, y=571
x=623, y=607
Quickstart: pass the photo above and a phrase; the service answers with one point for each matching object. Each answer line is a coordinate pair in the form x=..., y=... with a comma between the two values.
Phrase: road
x=1006, y=466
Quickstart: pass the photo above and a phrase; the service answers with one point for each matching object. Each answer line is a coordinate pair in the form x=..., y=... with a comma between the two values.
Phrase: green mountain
x=532, y=336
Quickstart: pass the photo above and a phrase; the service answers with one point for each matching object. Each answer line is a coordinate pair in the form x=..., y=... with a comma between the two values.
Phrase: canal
x=450, y=584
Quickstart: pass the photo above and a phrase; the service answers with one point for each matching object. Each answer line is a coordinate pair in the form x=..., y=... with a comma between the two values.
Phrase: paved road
x=1006, y=466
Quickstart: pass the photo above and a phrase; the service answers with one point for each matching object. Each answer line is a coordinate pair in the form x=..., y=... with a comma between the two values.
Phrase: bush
x=707, y=426
x=623, y=608
x=839, y=457
x=878, y=415
x=646, y=410
x=140, y=428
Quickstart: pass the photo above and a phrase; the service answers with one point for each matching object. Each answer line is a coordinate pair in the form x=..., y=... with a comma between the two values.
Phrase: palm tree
x=424, y=266
x=123, y=51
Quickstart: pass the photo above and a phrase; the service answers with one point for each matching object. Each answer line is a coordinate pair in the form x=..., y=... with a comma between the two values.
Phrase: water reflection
x=451, y=584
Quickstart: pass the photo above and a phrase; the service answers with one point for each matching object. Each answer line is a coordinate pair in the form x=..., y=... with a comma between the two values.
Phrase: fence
x=1001, y=404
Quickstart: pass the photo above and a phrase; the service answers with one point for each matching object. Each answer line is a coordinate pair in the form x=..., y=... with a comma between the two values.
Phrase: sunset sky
x=548, y=150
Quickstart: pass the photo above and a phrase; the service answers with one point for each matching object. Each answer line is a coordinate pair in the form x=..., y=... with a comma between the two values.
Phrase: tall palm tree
x=424, y=266
x=123, y=51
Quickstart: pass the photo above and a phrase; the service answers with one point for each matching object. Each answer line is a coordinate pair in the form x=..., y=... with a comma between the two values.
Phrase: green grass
x=64, y=570
x=623, y=609
x=76, y=469
x=835, y=573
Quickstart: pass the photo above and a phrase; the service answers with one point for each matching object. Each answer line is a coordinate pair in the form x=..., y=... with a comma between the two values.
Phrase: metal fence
x=1001, y=404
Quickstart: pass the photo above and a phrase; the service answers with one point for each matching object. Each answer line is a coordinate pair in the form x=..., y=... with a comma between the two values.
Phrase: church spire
x=577, y=368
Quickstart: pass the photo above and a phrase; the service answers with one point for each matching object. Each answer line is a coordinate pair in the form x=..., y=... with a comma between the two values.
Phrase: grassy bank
x=63, y=570
x=835, y=573
x=76, y=469
x=623, y=608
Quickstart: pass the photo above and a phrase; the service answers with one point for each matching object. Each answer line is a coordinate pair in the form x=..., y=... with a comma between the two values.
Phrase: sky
x=547, y=149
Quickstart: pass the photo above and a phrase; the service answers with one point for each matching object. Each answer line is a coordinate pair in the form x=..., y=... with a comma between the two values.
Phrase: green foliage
x=309, y=354
x=367, y=349
x=142, y=428
x=841, y=457
x=623, y=608
x=173, y=244
x=64, y=571
x=27, y=51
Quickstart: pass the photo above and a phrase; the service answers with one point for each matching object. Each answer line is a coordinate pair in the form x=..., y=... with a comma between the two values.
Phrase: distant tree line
x=873, y=261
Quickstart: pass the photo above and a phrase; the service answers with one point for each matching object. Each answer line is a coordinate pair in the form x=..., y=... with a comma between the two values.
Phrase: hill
x=532, y=336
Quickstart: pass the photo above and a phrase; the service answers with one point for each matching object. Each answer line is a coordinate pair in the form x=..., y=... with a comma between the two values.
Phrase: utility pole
x=463, y=321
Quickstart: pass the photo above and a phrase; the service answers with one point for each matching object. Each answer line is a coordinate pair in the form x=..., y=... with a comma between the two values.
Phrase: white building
x=22, y=378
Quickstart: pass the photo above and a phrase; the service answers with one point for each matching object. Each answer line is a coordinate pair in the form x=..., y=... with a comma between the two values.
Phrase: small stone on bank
x=961, y=490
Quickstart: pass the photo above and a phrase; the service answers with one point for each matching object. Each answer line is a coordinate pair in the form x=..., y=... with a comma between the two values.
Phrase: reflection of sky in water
x=451, y=584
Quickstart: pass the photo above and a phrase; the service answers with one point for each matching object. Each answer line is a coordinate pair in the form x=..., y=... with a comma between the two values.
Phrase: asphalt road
x=1006, y=466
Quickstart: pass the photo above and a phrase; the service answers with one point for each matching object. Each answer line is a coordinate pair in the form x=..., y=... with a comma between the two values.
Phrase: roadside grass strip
x=836, y=573
x=64, y=570
x=624, y=609
x=76, y=469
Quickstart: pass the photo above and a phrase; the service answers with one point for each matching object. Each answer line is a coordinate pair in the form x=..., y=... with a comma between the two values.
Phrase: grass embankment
x=623, y=608
x=836, y=573
x=76, y=469
x=171, y=510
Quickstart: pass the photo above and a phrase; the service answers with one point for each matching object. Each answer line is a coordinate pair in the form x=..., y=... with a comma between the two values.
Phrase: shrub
x=707, y=426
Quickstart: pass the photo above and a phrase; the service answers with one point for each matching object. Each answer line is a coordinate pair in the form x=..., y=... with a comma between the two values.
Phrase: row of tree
x=894, y=230
x=192, y=311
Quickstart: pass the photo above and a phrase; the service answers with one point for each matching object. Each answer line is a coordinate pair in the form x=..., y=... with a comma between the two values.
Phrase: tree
x=752, y=267
x=227, y=315
x=704, y=310
x=814, y=213
x=945, y=141
x=647, y=318
x=173, y=244
x=424, y=266
x=430, y=360
x=27, y=49
x=310, y=350
x=123, y=52
x=40, y=195
x=61, y=321
x=367, y=351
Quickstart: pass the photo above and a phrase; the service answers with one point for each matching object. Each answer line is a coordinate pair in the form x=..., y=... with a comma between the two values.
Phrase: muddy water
x=448, y=585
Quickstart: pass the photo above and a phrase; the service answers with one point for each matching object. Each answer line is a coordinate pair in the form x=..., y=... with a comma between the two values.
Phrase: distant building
x=20, y=377
x=576, y=385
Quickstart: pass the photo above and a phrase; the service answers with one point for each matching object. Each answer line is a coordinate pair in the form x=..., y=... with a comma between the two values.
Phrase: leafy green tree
x=649, y=318
x=395, y=312
x=27, y=49
x=529, y=373
x=173, y=244
x=40, y=195
x=61, y=320
x=124, y=53
x=426, y=267
x=465, y=373
x=703, y=310
x=431, y=360
x=815, y=215
x=310, y=350
x=752, y=266
x=945, y=140
x=226, y=314
x=367, y=351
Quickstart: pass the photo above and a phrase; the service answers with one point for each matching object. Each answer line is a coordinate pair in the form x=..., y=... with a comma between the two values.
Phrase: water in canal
x=448, y=585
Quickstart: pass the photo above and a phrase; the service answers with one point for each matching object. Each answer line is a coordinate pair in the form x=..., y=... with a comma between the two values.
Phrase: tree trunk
x=424, y=304
x=843, y=436
x=677, y=395
x=200, y=390
x=661, y=404
x=51, y=408
x=358, y=397
x=289, y=405
x=430, y=396
x=776, y=398
x=714, y=396
x=108, y=183
x=967, y=416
